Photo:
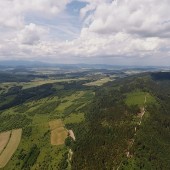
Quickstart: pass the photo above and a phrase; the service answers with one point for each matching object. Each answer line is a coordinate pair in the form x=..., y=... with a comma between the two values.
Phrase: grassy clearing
x=41, y=82
x=4, y=138
x=58, y=132
x=11, y=147
x=38, y=82
x=99, y=82
x=138, y=98
x=74, y=118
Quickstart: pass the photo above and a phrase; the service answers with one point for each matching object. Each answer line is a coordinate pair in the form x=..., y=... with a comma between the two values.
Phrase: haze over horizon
x=120, y=32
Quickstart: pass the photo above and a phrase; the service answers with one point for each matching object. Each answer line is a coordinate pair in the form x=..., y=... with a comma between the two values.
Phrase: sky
x=121, y=32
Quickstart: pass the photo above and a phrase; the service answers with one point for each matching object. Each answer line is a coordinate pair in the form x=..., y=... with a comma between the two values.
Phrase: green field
x=74, y=118
x=38, y=82
x=99, y=82
x=138, y=98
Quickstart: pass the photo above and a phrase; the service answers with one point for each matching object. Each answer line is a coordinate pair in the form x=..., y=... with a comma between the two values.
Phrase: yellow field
x=11, y=147
x=4, y=138
x=99, y=82
x=56, y=124
x=58, y=132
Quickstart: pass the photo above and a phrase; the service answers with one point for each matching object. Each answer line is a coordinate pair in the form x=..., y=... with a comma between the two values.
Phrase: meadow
x=138, y=98
x=99, y=82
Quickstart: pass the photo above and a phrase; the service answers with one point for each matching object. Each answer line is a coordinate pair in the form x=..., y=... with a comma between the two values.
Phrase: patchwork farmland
x=44, y=117
x=11, y=146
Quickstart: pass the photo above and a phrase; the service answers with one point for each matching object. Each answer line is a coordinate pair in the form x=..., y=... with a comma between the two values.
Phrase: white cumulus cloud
x=31, y=34
x=13, y=11
x=148, y=18
x=109, y=28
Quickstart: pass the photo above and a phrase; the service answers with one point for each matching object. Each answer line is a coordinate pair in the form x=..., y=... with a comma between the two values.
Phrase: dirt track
x=140, y=115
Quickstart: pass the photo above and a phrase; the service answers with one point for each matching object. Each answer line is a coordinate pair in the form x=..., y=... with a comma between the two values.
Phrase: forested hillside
x=116, y=136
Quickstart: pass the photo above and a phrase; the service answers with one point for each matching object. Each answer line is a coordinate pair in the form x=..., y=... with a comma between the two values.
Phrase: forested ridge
x=16, y=95
x=103, y=140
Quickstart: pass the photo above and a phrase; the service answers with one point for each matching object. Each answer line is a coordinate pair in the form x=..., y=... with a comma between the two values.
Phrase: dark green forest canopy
x=104, y=139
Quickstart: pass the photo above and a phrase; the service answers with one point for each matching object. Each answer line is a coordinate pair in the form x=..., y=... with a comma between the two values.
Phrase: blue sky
x=127, y=32
x=66, y=25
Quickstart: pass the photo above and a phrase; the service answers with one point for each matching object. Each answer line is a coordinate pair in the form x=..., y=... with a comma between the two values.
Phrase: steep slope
x=112, y=125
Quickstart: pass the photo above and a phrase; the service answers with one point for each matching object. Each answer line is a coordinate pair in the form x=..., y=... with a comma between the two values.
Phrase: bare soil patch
x=71, y=134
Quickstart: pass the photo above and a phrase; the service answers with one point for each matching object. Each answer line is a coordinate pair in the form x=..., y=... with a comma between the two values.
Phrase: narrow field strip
x=4, y=138
x=58, y=132
x=11, y=147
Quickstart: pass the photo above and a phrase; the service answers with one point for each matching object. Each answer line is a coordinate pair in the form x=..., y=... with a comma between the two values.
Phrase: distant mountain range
x=21, y=63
